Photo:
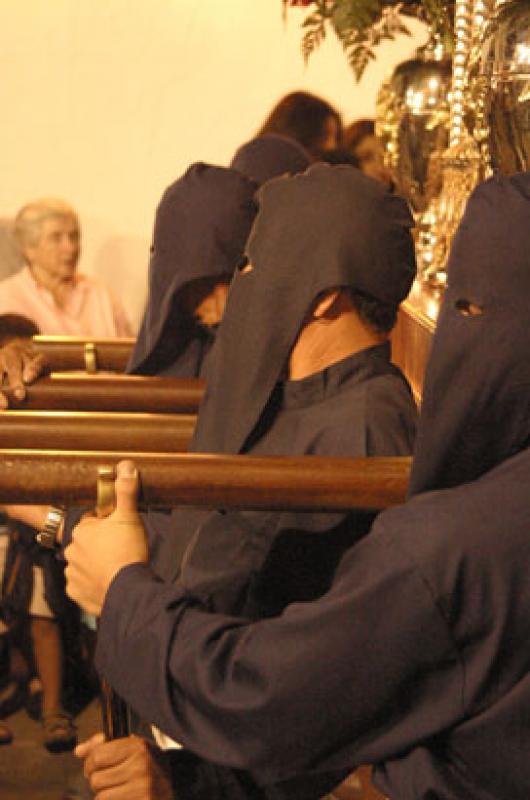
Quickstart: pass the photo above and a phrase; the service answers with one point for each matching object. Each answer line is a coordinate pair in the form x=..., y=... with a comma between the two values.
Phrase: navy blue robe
x=417, y=656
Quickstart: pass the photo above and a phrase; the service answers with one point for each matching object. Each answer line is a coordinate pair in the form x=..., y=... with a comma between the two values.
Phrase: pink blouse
x=91, y=309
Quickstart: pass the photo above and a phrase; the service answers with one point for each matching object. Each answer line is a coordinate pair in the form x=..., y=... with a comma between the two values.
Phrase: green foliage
x=361, y=25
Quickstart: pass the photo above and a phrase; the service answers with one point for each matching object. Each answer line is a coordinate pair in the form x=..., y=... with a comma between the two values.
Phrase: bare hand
x=124, y=769
x=18, y=365
x=101, y=547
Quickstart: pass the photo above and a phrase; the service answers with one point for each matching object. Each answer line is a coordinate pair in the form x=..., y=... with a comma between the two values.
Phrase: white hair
x=30, y=218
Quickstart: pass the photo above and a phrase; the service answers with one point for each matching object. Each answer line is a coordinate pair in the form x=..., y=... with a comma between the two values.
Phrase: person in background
x=34, y=604
x=60, y=301
x=309, y=120
x=361, y=142
x=49, y=289
x=12, y=326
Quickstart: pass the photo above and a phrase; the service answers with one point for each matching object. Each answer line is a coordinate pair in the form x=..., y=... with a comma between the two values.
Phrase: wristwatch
x=47, y=536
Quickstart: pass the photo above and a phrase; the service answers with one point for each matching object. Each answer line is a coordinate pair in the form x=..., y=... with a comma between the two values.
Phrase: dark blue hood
x=327, y=227
x=201, y=225
x=476, y=403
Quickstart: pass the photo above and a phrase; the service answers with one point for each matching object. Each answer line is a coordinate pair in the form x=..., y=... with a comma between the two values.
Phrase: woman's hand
x=19, y=365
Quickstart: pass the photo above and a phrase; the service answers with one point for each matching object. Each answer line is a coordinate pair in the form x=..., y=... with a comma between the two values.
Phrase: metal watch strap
x=47, y=536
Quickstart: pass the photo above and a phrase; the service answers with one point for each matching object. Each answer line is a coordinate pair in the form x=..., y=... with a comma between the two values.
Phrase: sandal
x=60, y=733
x=6, y=737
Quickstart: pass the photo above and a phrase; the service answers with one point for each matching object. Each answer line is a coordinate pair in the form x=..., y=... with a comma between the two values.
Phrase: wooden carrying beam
x=81, y=353
x=67, y=392
x=213, y=481
x=78, y=430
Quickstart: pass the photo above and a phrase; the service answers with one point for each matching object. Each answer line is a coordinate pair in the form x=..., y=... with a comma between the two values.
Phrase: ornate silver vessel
x=502, y=90
x=412, y=123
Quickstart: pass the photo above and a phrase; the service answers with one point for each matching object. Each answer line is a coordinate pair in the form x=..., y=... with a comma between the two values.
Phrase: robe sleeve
x=357, y=676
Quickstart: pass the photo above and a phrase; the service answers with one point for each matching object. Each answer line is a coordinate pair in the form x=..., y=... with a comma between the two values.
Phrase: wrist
x=51, y=532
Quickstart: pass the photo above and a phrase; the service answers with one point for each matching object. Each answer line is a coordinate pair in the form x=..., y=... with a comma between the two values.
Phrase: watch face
x=55, y=516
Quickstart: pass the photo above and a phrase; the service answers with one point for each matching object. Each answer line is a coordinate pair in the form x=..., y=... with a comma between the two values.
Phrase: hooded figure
x=333, y=228
x=201, y=225
x=475, y=410
x=269, y=156
x=330, y=227
x=328, y=230
x=417, y=658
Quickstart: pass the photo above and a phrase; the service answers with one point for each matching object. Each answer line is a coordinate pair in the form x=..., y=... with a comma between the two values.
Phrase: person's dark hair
x=340, y=156
x=356, y=132
x=380, y=317
x=302, y=116
x=16, y=326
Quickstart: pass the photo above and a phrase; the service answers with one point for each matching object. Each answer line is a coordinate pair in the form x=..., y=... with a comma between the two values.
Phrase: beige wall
x=105, y=102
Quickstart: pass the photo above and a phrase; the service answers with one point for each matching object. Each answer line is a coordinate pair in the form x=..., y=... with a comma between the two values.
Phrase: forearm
x=34, y=516
x=185, y=681
x=277, y=697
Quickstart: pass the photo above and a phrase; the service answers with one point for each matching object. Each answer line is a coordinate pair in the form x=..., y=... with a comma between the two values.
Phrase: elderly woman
x=58, y=300
x=49, y=289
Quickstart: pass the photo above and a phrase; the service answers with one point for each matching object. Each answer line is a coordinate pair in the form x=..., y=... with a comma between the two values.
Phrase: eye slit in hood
x=244, y=266
x=468, y=309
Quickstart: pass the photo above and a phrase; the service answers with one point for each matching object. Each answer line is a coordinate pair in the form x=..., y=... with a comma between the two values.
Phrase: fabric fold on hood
x=201, y=226
x=325, y=228
x=476, y=402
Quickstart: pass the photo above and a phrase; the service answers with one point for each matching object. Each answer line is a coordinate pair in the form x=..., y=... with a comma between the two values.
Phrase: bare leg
x=48, y=658
x=59, y=730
